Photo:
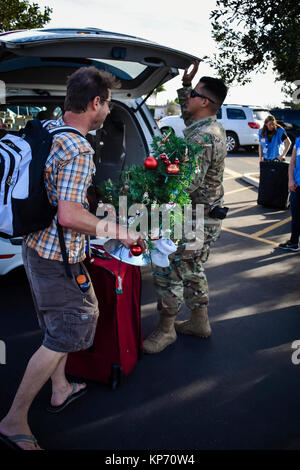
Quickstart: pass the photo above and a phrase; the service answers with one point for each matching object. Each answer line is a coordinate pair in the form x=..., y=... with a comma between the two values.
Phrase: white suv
x=241, y=124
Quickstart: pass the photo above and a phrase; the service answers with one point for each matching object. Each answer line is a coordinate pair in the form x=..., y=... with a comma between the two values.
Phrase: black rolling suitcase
x=273, y=188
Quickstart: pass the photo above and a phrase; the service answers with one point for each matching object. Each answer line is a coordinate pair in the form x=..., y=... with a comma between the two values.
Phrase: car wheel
x=232, y=142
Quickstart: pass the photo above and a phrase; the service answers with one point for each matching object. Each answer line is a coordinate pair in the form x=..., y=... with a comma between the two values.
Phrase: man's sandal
x=10, y=441
x=75, y=393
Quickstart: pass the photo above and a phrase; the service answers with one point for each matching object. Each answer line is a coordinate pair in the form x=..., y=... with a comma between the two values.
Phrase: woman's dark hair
x=84, y=85
x=269, y=119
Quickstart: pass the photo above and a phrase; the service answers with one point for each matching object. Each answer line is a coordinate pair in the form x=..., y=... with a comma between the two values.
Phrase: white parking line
x=232, y=173
x=246, y=235
x=272, y=227
x=238, y=190
x=240, y=209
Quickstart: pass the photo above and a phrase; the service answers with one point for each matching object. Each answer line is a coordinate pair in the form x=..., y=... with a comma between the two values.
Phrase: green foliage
x=159, y=89
x=20, y=14
x=252, y=34
x=156, y=187
x=161, y=187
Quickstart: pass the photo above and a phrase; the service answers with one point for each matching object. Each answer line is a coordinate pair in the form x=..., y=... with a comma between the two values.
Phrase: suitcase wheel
x=115, y=376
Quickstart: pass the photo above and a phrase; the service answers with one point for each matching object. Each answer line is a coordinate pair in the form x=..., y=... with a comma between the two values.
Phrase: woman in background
x=274, y=143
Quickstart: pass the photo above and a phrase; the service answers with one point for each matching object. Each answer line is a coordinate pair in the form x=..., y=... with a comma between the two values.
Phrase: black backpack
x=24, y=204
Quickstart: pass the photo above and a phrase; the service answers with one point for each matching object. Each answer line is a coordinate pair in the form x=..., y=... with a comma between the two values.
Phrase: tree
x=157, y=90
x=252, y=34
x=20, y=14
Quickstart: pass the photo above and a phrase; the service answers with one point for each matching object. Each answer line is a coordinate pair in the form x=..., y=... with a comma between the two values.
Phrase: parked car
x=10, y=254
x=35, y=64
x=292, y=130
x=240, y=122
x=287, y=115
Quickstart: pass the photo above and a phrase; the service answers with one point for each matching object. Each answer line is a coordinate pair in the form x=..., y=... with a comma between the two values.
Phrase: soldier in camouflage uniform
x=185, y=279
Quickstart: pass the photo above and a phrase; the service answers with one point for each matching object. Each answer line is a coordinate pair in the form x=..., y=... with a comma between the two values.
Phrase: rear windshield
x=121, y=69
x=126, y=70
x=260, y=114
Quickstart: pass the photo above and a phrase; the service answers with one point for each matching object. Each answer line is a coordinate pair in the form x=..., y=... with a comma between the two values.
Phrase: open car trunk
x=43, y=58
x=119, y=143
x=35, y=64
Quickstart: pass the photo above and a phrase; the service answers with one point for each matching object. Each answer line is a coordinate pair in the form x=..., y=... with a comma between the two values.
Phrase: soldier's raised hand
x=188, y=76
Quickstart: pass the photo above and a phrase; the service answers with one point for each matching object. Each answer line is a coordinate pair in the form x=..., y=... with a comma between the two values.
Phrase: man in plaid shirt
x=67, y=315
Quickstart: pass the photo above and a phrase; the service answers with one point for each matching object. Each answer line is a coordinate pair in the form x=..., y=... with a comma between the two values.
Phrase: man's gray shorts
x=67, y=316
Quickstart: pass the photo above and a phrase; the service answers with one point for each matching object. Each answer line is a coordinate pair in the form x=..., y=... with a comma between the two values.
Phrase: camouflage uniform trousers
x=185, y=280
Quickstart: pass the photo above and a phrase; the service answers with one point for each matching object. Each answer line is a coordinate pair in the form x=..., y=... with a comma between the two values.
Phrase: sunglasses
x=195, y=94
x=110, y=104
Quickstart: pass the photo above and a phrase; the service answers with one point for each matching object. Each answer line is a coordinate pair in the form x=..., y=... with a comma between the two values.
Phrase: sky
x=182, y=25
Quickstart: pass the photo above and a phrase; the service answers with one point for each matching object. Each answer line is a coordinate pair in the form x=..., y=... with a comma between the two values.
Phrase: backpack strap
x=60, y=130
x=45, y=123
x=63, y=250
x=52, y=132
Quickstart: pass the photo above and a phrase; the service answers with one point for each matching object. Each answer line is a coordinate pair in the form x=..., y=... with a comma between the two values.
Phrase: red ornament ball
x=173, y=169
x=176, y=161
x=150, y=163
x=163, y=156
x=136, y=250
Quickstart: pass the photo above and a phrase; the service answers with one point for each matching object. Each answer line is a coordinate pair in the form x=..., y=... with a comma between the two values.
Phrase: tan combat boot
x=162, y=336
x=197, y=325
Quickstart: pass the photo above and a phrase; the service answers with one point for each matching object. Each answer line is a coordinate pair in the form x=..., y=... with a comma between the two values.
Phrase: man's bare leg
x=39, y=369
x=61, y=388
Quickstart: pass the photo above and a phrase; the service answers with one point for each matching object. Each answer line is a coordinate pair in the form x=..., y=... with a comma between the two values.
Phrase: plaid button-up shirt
x=68, y=174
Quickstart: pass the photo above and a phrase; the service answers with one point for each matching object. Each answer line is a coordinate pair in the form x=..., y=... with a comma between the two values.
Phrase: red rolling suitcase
x=118, y=339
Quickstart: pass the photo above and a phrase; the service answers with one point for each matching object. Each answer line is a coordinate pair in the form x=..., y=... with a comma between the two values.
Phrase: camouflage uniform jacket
x=207, y=186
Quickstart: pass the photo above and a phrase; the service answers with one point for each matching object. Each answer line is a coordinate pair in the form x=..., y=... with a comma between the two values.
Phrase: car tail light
x=6, y=256
x=254, y=125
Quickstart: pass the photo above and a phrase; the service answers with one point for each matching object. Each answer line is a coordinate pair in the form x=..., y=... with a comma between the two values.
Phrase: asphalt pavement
x=236, y=390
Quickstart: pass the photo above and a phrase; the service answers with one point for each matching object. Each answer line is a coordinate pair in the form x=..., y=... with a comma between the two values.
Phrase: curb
x=251, y=178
